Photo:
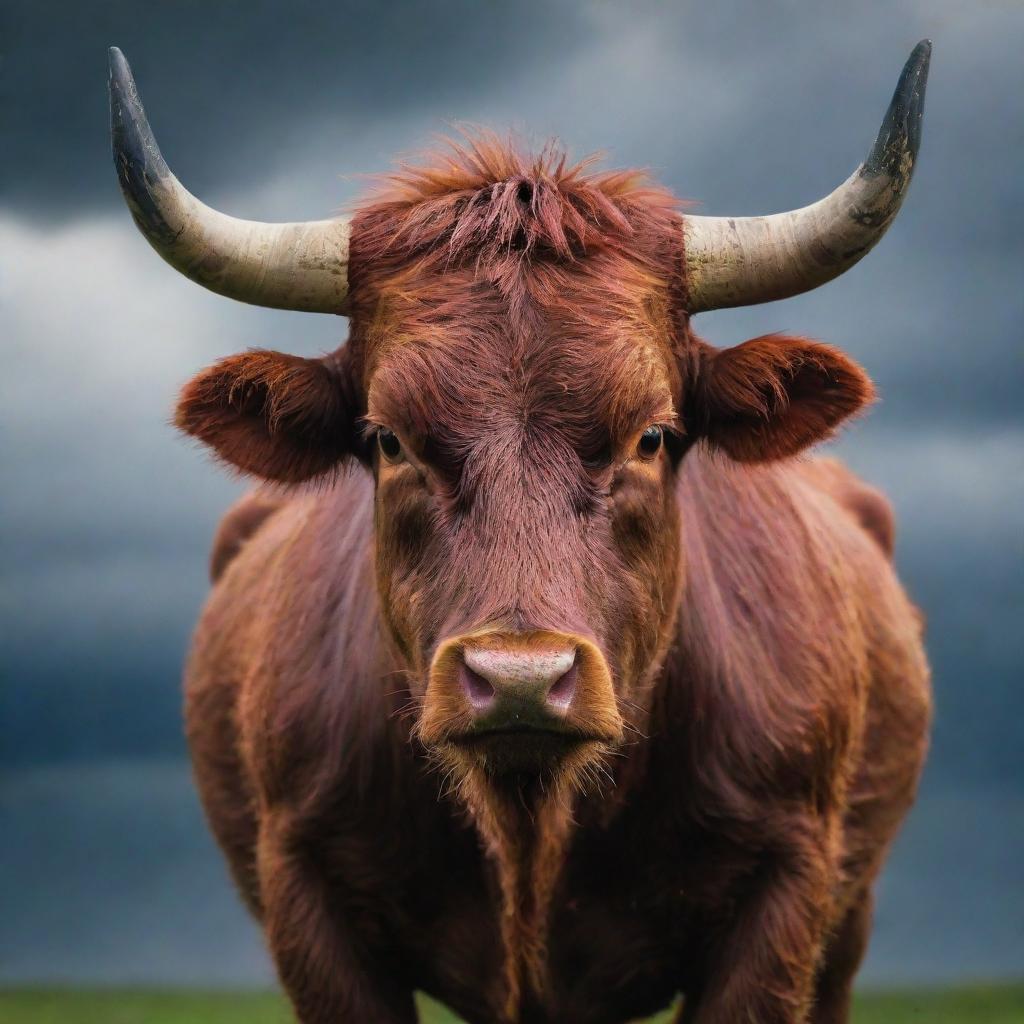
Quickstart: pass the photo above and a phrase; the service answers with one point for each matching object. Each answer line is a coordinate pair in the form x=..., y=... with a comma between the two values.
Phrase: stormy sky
x=276, y=111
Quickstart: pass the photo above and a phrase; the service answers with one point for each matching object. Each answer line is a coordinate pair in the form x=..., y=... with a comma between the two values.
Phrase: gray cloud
x=240, y=89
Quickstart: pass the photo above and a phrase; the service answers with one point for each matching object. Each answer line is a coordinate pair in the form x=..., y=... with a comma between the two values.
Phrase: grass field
x=989, y=1005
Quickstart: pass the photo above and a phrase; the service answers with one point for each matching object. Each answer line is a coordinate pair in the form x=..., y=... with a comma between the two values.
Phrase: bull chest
x=618, y=945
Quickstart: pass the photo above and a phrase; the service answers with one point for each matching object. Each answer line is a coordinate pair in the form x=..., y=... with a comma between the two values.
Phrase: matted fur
x=518, y=322
x=483, y=199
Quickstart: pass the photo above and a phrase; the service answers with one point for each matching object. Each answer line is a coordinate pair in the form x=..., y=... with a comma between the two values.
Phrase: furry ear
x=774, y=396
x=277, y=416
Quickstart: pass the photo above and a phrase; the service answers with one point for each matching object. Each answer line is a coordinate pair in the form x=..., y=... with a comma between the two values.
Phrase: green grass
x=990, y=1005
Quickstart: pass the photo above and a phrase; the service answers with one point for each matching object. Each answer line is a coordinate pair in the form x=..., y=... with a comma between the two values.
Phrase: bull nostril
x=479, y=691
x=561, y=694
x=515, y=681
x=518, y=699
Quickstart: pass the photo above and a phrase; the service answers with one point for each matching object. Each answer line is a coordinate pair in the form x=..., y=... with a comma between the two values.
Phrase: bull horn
x=287, y=266
x=741, y=261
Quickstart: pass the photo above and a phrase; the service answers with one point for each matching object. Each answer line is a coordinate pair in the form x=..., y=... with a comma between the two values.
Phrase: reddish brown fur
x=518, y=323
x=773, y=396
x=867, y=505
x=240, y=522
x=269, y=414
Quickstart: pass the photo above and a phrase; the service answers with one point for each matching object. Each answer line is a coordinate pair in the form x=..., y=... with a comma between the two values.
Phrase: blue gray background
x=273, y=111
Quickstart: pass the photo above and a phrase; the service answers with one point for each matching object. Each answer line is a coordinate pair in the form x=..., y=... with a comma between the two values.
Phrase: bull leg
x=843, y=955
x=314, y=953
x=761, y=969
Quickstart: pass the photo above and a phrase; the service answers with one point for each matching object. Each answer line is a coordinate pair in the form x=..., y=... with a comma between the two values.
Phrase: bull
x=540, y=673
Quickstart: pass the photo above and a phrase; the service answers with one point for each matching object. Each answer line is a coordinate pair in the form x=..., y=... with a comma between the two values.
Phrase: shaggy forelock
x=484, y=198
x=497, y=271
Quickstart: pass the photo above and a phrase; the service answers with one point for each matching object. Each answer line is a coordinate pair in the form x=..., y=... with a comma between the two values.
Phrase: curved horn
x=741, y=261
x=286, y=266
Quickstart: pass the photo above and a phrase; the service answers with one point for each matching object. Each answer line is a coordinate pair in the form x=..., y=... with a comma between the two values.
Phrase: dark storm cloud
x=240, y=88
x=272, y=110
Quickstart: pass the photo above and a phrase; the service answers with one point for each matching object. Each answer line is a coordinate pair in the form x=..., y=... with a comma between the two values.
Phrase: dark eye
x=389, y=444
x=650, y=443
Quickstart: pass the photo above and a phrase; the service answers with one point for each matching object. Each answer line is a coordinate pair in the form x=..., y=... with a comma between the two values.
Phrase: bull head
x=522, y=381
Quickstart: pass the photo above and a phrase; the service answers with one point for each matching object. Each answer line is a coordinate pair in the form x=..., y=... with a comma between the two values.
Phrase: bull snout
x=509, y=687
x=519, y=697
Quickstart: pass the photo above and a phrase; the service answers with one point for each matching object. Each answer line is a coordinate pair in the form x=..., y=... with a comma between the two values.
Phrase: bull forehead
x=558, y=355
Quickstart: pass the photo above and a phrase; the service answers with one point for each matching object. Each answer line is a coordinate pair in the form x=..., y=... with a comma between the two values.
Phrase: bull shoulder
x=868, y=506
x=240, y=522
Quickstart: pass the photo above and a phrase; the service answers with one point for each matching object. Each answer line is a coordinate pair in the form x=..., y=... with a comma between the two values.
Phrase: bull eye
x=650, y=442
x=390, y=446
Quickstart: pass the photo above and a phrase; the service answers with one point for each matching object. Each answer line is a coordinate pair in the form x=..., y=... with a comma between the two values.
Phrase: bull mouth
x=531, y=731
x=523, y=749
x=524, y=729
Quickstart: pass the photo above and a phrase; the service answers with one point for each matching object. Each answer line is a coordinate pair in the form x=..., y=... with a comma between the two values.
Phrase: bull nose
x=513, y=686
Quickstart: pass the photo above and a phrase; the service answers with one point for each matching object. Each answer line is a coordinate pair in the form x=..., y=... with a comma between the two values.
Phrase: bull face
x=527, y=538
x=522, y=381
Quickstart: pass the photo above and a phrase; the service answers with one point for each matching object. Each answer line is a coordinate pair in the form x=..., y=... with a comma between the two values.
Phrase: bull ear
x=774, y=396
x=278, y=416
